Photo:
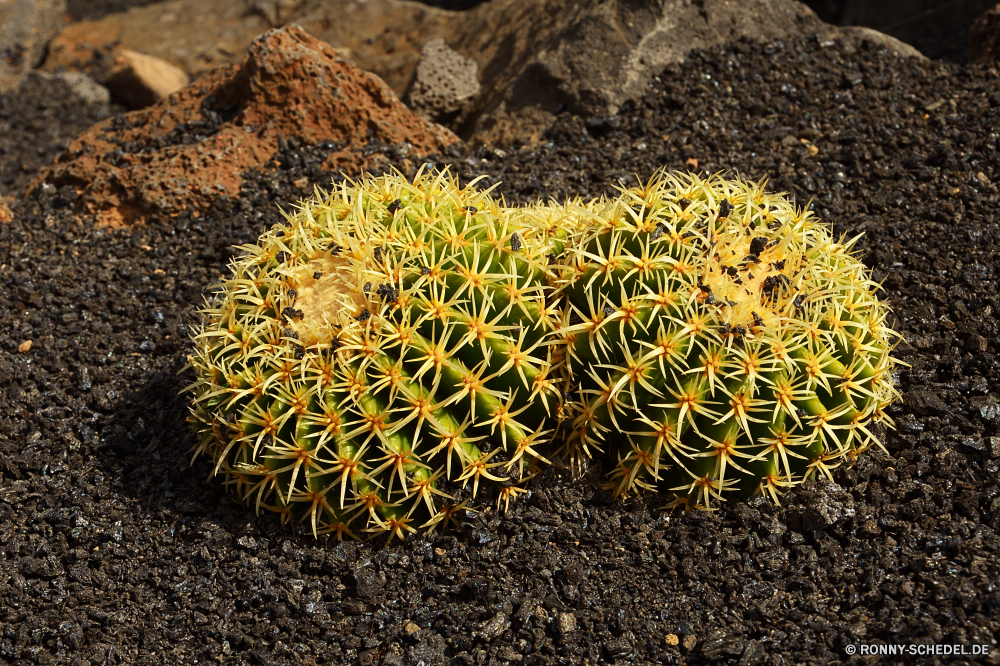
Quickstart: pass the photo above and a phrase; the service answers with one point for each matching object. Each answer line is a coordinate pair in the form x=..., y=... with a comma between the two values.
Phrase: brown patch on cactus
x=322, y=300
x=743, y=279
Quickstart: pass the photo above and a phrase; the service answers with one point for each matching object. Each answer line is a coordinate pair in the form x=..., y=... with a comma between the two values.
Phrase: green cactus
x=719, y=341
x=390, y=336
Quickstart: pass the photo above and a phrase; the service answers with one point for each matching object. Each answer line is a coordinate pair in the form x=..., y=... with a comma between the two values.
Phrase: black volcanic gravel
x=113, y=550
x=37, y=124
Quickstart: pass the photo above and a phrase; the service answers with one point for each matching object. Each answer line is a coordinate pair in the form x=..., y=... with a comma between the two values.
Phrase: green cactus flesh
x=390, y=336
x=719, y=341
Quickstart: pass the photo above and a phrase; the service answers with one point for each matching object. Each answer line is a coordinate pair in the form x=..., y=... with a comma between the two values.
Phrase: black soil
x=113, y=550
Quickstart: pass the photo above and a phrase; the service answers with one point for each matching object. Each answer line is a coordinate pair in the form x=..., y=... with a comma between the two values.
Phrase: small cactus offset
x=719, y=342
x=389, y=337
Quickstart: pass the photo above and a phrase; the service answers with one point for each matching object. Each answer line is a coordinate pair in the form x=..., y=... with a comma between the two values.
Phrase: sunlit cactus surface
x=719, y=341
x=390, y=336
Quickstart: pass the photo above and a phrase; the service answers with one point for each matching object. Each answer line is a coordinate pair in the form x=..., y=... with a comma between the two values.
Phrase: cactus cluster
x=388, y=337
x=395, y=342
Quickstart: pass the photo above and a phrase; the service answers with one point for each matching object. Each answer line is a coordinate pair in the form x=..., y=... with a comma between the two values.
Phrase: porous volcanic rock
x=380, y=36
x=113, y=551
x=538, y=59
x=190, y=149
x=444, y=84
x=195, y=35
x=938, y=28
x=39, y=120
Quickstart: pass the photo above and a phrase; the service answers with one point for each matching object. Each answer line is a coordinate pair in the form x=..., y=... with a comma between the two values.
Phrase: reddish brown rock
x=290, y=85
x=381, y=36
x=195, y=35
x=533, y=59
x=5, y=214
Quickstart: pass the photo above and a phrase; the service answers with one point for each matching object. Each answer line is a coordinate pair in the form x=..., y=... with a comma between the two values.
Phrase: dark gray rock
x=81, y=86
x=855, y=35
x=753, y=654
x=987, y=408
x=939, y=28
x=26, y=26
x=721, y=643
x=825, y=505
x=927, y=403
x=984, y=37
x=444, y=84
x=429, y=650
x=491, y=629
x=369, y=582
x=590, y=57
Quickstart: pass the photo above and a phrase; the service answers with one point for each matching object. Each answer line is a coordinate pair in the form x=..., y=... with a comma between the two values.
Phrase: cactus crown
x=732, y=340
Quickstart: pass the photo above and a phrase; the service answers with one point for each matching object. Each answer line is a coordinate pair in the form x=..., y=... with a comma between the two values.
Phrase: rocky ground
x=114, y=550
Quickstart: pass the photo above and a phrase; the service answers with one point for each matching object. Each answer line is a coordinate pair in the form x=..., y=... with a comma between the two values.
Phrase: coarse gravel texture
x=37, y=124
x=113, y=550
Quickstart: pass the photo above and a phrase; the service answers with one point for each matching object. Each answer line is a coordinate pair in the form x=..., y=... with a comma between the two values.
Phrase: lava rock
x=444, y=85
x=926, y=402
x=184, y=156
x=826, y=503
x=984, y=37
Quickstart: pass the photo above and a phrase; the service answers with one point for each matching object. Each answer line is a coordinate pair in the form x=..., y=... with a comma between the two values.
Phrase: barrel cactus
x=719, y=341
x=387, y=343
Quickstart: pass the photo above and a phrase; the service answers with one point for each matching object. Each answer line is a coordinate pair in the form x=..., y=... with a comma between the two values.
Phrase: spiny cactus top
x=388, y=337
x=719, y=340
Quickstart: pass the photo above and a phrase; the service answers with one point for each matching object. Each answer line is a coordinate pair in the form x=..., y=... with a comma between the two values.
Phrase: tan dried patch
x=326, y=302
x=750, y=289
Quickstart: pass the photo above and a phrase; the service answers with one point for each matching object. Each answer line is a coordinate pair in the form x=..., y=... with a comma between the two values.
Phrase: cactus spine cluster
x=719, y=341
x=389, y=337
